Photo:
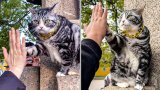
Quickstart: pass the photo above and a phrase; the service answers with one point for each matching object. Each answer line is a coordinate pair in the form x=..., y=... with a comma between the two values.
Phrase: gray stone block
x=48, y=69
x=30, y=77
x=69, y=82
x=131, y=88
x=68, y=8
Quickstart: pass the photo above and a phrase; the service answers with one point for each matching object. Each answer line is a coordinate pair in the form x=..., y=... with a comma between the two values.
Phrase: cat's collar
x=125, y=33
x=50, y=34
x=47, y=36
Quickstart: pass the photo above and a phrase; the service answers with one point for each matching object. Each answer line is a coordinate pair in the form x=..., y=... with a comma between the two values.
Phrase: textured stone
x=48, y=69
x=151, y=16
x=69, y=82
x=118, y=88
x=70, y=8
x=30, y=77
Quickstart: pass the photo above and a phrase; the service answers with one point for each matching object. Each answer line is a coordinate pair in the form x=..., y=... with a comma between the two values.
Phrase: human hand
x=16, y=58
x=98, y=27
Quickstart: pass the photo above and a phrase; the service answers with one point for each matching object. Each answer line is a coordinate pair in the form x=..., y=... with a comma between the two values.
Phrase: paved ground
x=96, y=85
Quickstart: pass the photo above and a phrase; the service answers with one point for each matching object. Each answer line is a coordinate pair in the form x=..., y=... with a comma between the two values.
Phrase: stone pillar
x=48, y=70
x=151, y=18
x=48, y=80
x=30, y=77
x=68, y=8
x=69, y=82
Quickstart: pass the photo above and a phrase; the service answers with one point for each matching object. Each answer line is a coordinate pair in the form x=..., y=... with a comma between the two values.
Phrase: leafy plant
x=14, y=13
x=115, y=7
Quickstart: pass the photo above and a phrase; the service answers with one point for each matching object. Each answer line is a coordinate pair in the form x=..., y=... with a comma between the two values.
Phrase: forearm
x=95, y=37
x=91, y=54
x=17, y=71
x=8, y=81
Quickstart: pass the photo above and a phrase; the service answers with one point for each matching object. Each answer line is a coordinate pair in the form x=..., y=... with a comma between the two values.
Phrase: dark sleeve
x=8, y=81
x=90, y=56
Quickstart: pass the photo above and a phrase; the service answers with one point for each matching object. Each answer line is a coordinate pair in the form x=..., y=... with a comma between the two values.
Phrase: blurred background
x=115, y=7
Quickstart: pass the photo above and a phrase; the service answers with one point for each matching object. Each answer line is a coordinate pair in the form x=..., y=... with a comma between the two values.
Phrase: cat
x=56, y=37
x=132, y=51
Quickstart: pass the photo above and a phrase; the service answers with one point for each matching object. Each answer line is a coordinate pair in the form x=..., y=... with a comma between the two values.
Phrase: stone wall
x=68, y=8
x=30, y=77
x=151, y=17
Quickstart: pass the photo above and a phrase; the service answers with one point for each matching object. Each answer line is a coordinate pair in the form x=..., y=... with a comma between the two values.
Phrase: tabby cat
x=132, y=51
x=56, y=37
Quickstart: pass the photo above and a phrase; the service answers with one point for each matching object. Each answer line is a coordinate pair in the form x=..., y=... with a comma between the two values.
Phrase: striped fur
x=130, y=65
x=63, y=46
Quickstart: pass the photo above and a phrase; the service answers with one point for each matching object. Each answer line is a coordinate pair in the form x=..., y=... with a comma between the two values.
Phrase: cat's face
x=131, y=20
x=43, y=21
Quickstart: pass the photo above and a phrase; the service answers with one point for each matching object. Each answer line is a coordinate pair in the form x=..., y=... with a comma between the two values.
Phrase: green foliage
x=13, y=13
x=115, y=7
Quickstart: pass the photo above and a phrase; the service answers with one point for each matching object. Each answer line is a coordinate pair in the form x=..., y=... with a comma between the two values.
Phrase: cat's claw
x=59, y=74
x=138, y=87
x=123, y=85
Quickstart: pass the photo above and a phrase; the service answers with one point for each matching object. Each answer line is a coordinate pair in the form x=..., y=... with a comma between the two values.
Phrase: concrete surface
x=69, y=82
x=96, y=85
x=68, y=8
x=131, y=88
x=30, y=77
x=48, y=70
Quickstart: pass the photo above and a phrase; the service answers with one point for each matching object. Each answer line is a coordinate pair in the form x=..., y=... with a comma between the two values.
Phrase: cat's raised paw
x=60, y=74
x=123, y=85
x=138, y=87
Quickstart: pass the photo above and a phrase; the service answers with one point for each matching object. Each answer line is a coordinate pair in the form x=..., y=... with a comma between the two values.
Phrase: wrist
x=96, y=38
x=16, y=71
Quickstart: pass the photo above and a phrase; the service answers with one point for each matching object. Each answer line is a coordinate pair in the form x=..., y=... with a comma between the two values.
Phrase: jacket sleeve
x=90, y=56
x=8, y=81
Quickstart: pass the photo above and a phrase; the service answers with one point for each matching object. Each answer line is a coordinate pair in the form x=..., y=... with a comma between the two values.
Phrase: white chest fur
x=53, y=51
x=134, y=62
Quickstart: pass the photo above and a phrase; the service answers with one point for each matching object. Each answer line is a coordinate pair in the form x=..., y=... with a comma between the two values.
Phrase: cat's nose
x=41, y=27
x=123, y=21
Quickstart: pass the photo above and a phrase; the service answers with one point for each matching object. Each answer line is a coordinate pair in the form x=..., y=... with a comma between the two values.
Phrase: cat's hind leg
x=64, y=70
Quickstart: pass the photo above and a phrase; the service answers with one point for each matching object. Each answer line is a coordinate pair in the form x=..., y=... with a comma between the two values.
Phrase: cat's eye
x=130, y=17
x=47, y=21
x=36, y=22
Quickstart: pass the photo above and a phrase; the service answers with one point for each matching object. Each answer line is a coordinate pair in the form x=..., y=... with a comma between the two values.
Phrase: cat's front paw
x=59, y=74
x=123, y=85
x=31, y=51
x=138, y=86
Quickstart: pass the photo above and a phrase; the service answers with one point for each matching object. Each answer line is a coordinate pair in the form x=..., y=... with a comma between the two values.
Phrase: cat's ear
x=51, y=8
x=33, y=11
x=140, y=10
